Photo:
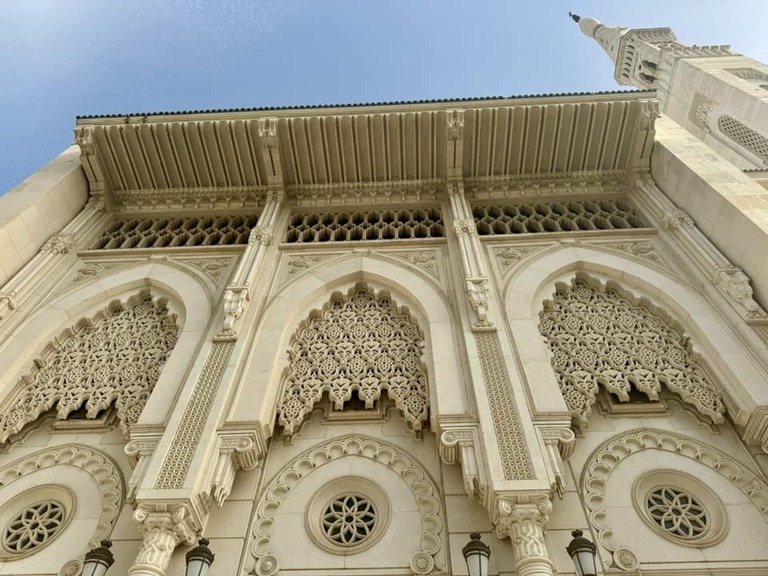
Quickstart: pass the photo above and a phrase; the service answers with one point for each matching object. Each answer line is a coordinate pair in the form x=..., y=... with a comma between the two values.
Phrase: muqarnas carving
x=601, y=337
x=112, y=358
x=357, y=343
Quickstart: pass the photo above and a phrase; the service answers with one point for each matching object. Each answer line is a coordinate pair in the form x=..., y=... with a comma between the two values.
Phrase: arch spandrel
x=743, y=384
x=186, y=297
x=292, y=305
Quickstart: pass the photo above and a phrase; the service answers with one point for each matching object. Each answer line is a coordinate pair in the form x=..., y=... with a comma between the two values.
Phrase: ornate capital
x=260, y=235
x=676, y=219
x=464, y=226
x=163, y=526
x=237, y=451
x=523, y=519
x=59, y=244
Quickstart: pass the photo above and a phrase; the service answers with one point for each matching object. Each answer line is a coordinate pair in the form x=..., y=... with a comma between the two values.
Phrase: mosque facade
x=341, y=340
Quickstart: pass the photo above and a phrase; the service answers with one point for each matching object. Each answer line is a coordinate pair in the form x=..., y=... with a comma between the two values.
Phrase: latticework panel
x=601, y=338
x=114, y=358
x=170, y=232
x=555, y=217
x=359, y=343
x=744, y=136
x=366, y=225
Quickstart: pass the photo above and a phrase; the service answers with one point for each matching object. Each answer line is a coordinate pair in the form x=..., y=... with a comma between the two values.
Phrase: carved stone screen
x=113, y=358
x=357, y=343
x=600, y=337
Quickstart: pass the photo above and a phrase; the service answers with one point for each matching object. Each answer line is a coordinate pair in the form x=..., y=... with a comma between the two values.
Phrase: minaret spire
x=609, y=37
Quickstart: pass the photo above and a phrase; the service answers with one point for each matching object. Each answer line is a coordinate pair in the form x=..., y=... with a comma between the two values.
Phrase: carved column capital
x=477, y=291
x=235, y=301
x=523, y=520
x=59, y=244
x=163, y=527
x=260, y=235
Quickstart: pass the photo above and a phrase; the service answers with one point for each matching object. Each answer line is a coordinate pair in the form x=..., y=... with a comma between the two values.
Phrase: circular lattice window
x=680, y=508
x=349, y=519
x=677, y=512
x=34, y=526
x=348, y=515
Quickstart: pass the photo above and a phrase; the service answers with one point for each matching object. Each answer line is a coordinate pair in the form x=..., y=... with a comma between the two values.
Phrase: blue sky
x=61, y=58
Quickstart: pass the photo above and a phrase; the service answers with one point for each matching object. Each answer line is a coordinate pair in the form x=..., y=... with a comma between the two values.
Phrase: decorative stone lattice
x=602, y=338
x=187, y=436
x=744, y=136
x=170, y=232
x=370, y=225
x=555, y=217
x=349, y=520
x=360, y=343
x=677, y=512
x=34, y=526
x=113, y=358
x=515, y=458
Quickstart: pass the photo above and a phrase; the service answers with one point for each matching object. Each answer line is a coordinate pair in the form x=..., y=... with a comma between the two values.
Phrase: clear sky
x=62, y=58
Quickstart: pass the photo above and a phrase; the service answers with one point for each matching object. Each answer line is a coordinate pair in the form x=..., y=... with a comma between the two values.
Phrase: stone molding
x=101, y=467
x=260, y=557
x=365, y=194
x=613, y=451
x=219, y=199
x=561, y=186
x=513, y=449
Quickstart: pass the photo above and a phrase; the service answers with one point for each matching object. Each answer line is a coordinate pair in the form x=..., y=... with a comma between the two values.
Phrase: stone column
x=162, y=532
x=524, y=524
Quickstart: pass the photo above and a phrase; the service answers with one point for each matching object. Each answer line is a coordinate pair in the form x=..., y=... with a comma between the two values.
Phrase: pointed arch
x=743, y=385
x=270, y=338
x=186, y=297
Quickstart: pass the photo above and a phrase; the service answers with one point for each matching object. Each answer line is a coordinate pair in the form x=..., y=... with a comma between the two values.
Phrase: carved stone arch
x=186, y=297
x=601, y=335
x=613, y=451
x=361, y=343
x=113, y=358
x=260, y=559
x=742, y=383
x=270, y=334
x=101, y=467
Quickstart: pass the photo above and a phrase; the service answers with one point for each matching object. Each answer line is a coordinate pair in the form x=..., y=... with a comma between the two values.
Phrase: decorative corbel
x=237, y=451
x=734, y=284
x=477, y=291
x=461, y=444
x=560, y=443
x=235, y=301
x=90, y=160
x=270, y=150
x=139, y=451
x=454, y=142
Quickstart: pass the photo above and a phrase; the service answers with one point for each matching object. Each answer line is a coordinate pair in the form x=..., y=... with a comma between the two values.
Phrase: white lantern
x=583, y=552
x=199, y=559
x=476, y=554
x=98, y=560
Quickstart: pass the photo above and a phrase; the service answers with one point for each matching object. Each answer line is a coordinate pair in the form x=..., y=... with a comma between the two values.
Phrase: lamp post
x=583, y=552
x=199, y=559
x=98, y=560
x=476, y=554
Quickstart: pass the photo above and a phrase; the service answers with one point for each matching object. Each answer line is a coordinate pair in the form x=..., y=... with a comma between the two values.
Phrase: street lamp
x=199, y=559
x=583, y=552
x=98, y=560
x=476, y=554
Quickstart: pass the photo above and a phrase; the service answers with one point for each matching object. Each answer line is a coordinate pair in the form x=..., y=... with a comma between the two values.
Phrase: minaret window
x=744, y=136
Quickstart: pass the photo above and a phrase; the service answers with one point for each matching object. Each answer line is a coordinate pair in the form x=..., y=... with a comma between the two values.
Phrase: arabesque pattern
x=600, y=337
x=113, y=358
x=360, y=343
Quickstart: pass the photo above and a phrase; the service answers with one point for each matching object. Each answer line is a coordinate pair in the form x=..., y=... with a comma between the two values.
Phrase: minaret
x=719, y=96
